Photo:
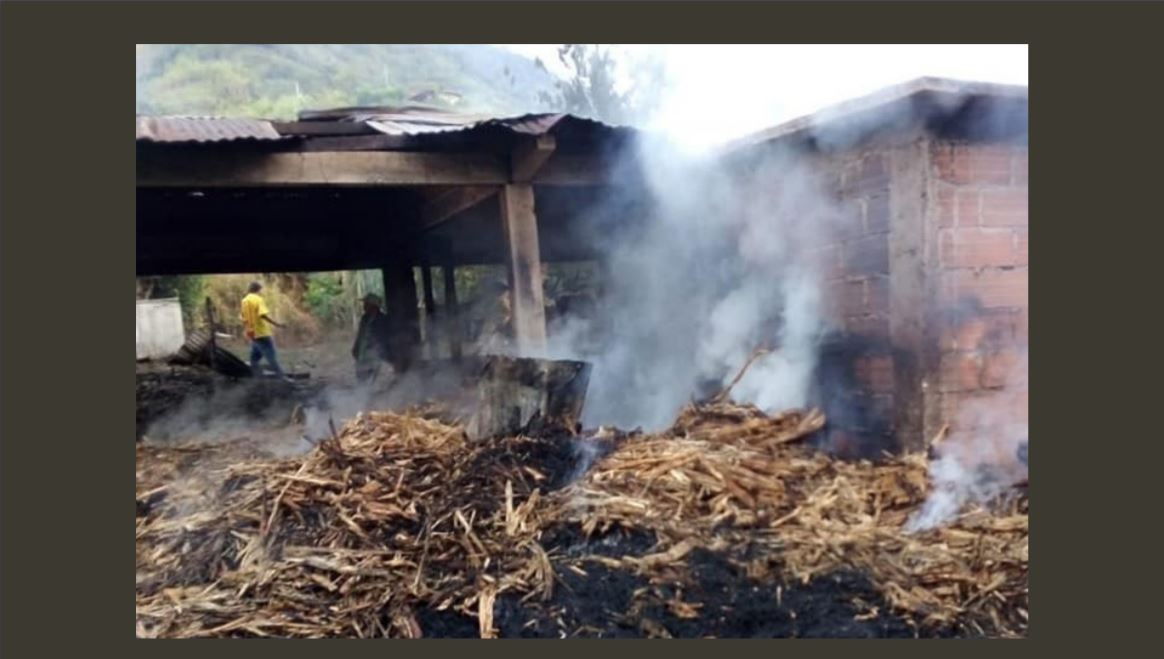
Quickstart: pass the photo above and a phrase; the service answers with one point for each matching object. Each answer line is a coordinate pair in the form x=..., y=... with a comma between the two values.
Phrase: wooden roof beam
x=446, y=205
x=210, y=168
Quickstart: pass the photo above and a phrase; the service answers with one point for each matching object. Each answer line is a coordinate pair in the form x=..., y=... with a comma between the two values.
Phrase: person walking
x=257, y=322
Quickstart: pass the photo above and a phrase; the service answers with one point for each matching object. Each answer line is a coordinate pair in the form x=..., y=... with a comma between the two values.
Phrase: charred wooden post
x=521, y=395
x=524, y=268
x=403, y=315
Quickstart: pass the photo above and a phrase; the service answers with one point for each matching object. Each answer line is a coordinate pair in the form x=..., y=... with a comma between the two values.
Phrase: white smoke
x=717, y=269
x=979, y=461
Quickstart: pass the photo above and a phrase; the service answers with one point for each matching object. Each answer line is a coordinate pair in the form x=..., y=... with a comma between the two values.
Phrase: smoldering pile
x=724, y=525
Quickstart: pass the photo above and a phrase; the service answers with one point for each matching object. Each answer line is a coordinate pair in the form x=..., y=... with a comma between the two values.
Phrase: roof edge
x=852, y=108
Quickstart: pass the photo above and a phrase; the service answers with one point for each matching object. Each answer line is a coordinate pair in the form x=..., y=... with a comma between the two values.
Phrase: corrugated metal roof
x=174, y=129
x=533, y=124
x=407, y=122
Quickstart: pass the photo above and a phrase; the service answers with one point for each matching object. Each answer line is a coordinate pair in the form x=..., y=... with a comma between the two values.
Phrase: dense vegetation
x=277, y=81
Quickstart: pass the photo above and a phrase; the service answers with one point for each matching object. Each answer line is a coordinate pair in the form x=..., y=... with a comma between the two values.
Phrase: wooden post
x=452, y=311
x=213, y=332
x=429, y=310
x=524, y=268
x=403, y=315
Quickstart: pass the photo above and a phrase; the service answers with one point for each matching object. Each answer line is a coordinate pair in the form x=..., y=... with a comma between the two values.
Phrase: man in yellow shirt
x=257, y=322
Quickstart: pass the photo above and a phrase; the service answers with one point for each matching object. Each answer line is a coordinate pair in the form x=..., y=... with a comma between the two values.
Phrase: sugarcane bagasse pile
x=725, y=525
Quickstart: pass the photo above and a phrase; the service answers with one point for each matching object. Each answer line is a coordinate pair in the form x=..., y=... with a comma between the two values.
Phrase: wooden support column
x=524, y=268
x=403, y=315
x=452, y=312
x=430, y=329
x=429, y=298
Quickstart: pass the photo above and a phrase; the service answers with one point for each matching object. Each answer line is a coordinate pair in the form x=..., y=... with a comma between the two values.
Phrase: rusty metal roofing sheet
x=204, y=129
x=408, y=121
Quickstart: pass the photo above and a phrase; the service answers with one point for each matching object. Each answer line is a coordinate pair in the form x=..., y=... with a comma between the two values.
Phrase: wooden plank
x=185, y=167
x=529, y=157
x=211, y=168
x=449, y=204
x=524, y=268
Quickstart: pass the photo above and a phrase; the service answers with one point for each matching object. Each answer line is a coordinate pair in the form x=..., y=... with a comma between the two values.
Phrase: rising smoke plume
x=717, y=267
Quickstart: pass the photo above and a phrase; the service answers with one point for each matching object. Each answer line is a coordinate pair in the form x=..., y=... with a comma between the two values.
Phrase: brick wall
x=856, y=385
x=980, y=271
x=925, y=270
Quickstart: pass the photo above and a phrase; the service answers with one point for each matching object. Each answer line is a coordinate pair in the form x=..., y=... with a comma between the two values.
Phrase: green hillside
x=277, y=81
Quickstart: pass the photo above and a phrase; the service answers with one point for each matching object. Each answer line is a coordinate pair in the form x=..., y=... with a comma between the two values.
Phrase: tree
x=591, y=89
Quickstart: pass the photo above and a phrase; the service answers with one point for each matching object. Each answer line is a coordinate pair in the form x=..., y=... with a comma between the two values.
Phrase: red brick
x=1020, y=406
x=880, y=374
x=973, y=247
x=828, y=261
x=947, y=208
x=852, y=297
x=951, y=403
x=877, y=213
x=985, y=410
x=881, y=406
x=960, y=371
x=964, y=164
x=1022, y=327
x=998, y=368
x=873, y=166
x=965, y=336
x=832, y=301
x=869, y=325
x=1004, y=208
x=993, y=287
x=877, y=295
x=845, y=298
x=1021, y=255
x=851, y=219
x=989, y=165
x=968, y=204
x=946, y=158
x=991, y=330
x=866, y=177
x=1020, y=167
x=868, y=255
x=1002, y=329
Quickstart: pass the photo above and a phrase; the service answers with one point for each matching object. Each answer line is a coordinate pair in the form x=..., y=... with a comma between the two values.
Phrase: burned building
x=922, y=257
x=926, y=268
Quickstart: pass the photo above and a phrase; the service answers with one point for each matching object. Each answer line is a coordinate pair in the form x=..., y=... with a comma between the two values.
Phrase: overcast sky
x=720, y=92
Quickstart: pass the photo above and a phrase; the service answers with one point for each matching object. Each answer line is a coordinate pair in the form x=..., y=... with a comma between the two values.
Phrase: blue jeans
x=264, y=347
